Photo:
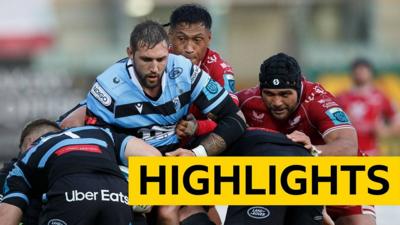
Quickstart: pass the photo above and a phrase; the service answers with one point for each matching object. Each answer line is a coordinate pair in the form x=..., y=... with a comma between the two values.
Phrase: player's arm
x=341, y=142
x=10, y=214
x=75, y=117
x=215, y=102
x=333, y=124
x=191, y=127
x=138, y=147
x=231, y=124
x=389, y=128
x=126, y=145
x=389, y=125
x=17, y=189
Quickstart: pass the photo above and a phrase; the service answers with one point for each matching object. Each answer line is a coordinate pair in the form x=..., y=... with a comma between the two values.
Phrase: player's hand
x=300, y=137
x=186, y=127
x=180, y=152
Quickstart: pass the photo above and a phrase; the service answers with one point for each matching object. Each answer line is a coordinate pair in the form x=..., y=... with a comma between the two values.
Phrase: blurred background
x=51, y=50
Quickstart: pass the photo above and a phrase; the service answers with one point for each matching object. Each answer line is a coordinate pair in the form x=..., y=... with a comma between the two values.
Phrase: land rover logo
x=258, y=212
x=56, y=222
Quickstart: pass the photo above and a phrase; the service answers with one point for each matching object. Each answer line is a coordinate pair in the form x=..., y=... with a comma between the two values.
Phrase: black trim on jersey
x=165, y=109
x=202, y=102
x=155, y=98
x=127, y=70
x=230, y=125
x=65, y=115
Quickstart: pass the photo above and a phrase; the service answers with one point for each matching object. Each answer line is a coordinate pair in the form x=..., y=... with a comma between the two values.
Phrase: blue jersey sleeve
x=120, y=141
x=17, y=188
x=207, y=94
x=100, y=103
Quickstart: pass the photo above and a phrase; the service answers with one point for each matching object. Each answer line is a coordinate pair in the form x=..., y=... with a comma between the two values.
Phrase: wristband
x=200, y=151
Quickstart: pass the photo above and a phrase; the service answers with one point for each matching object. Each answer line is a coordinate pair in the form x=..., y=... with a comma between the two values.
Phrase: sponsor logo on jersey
x=100, y=94
x=310, y=98
x=176, y=72
x=330, y=104
x=211, y=59
x=337, y=116
x=212, y=89
x=324, y=100
x=104, y=195
x=156, y=132
x=56, y=222
x=319, y=90
x=258, y=116
x=258, y=212
x=327, y=103
x=212, y=86
x=295, y=121
x=196, y=71
x=76, y=148
x=116, y=80
x=177, y=103
x=229, y=82
x=139, y=107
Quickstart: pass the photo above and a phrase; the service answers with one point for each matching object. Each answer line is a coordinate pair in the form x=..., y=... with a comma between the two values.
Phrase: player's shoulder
x=316, y=98
x=313, y=91
x=249, y=95
x=214, y=62
x=179, y=69
x=378, y=93
x=114, y=74
x=178, y=60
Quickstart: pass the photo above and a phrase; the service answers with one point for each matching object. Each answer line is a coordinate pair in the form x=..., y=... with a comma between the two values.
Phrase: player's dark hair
x=190, y=13
x=149, y=34
x=37, y=126
x=362, y=62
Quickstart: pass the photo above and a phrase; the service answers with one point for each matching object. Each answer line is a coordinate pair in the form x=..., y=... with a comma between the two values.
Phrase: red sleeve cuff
x=205, y=127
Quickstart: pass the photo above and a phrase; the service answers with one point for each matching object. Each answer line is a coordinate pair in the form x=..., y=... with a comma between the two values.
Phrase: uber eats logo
x=264, y=181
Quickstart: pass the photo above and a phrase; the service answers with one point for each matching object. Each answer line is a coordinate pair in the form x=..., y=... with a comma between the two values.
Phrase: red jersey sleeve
x=388, y=108
x=219, y=70
x=324, y=112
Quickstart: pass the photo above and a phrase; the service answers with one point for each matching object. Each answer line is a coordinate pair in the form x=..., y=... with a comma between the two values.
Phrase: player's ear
x=27, y=143
x=129, y=52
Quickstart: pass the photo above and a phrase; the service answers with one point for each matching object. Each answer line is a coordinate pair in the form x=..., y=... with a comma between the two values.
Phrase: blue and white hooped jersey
x=87, y=149
x=118, y=99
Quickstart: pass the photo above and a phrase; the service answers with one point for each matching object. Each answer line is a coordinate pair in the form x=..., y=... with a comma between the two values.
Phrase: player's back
x=76, y=150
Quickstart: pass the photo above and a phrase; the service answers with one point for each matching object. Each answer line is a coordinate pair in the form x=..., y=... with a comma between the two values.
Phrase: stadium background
x=51, y=50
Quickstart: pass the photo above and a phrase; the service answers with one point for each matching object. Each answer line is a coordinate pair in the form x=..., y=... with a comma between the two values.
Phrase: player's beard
x=150, y=80
x=281, y=113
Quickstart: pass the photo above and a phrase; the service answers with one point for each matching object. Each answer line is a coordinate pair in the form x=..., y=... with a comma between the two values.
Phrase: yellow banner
x=264, y=180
